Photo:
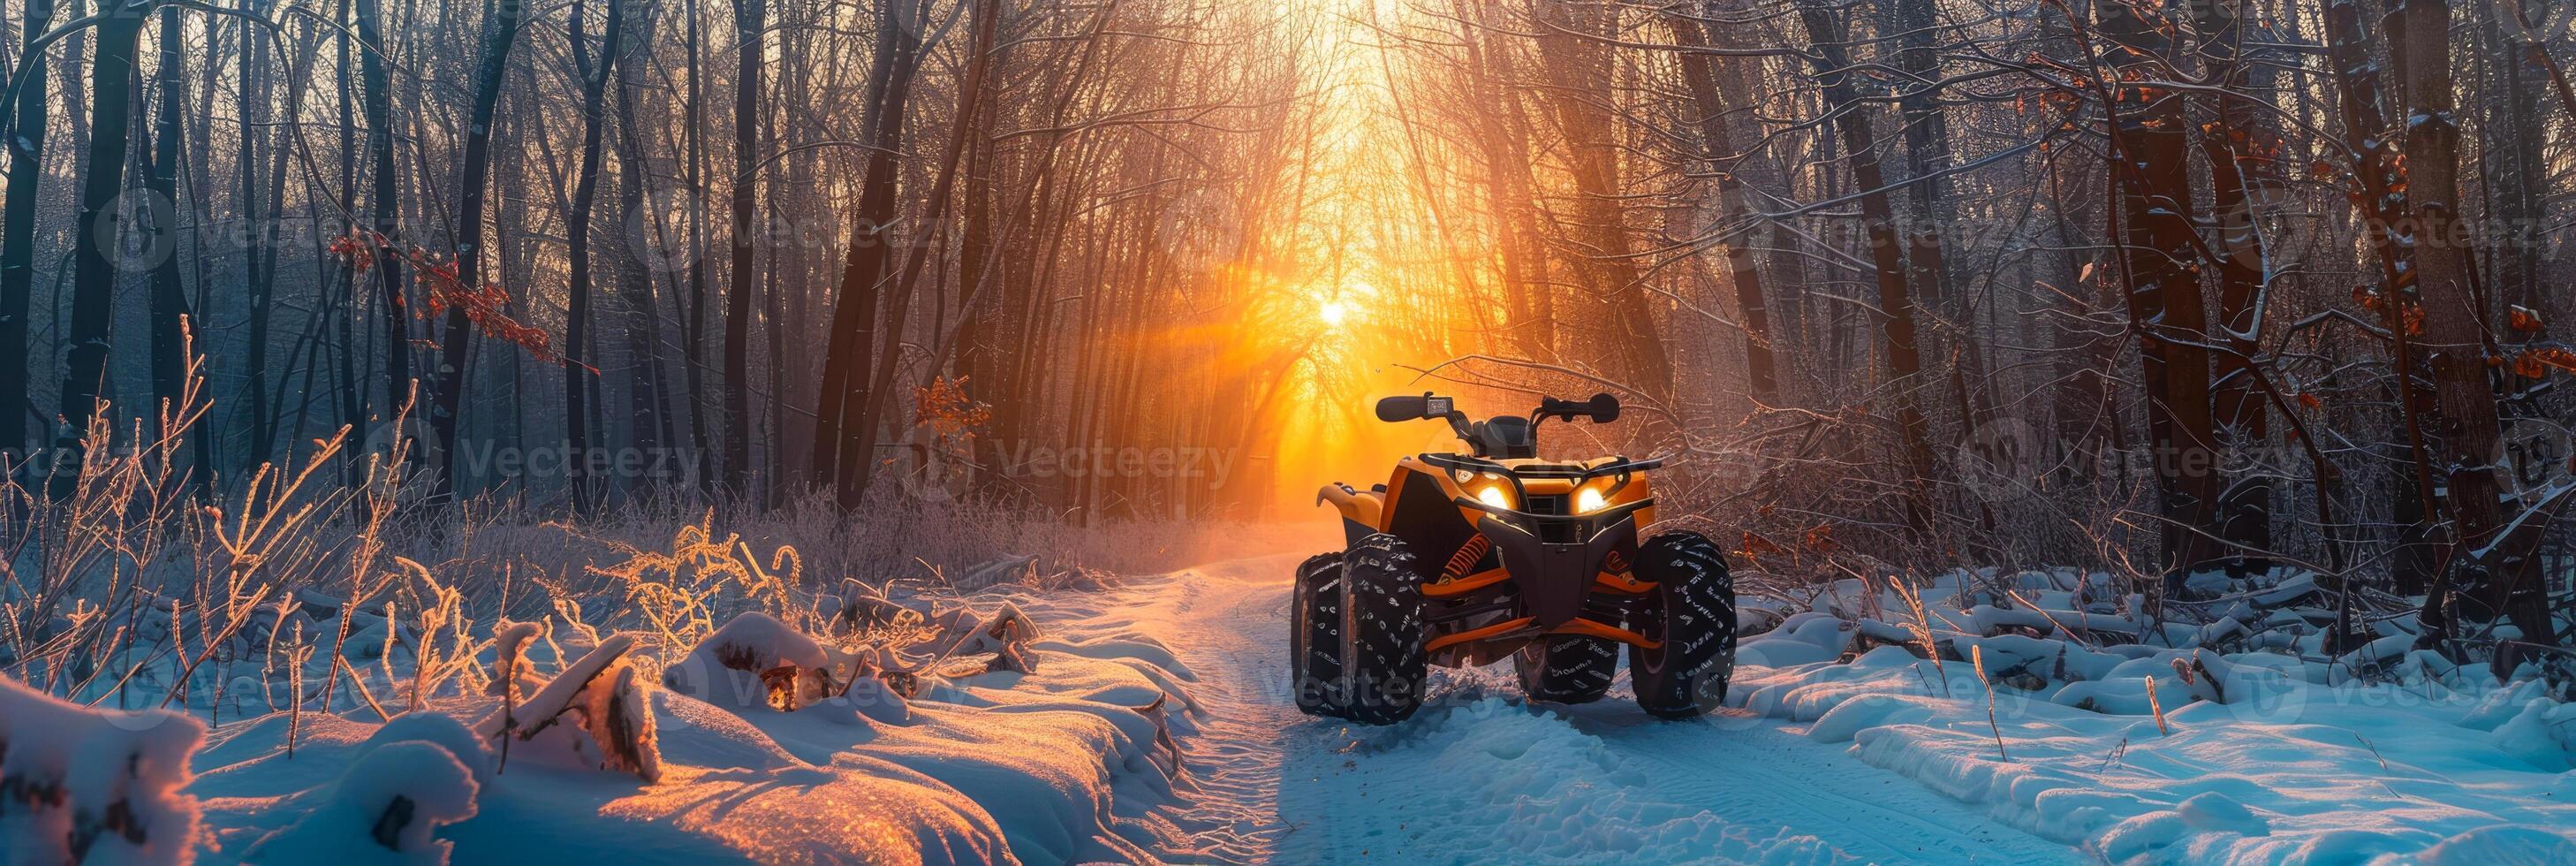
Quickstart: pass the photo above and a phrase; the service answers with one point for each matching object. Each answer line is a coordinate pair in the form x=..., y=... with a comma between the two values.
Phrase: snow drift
x=94, y=786
x=2163, y=742
x=760, y=743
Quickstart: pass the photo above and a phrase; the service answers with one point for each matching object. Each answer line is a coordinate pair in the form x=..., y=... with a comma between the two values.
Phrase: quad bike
x=1459, y=560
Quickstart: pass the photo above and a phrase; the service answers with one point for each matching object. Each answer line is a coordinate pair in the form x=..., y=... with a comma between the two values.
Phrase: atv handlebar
x=1602, y=409
x=1400, y=409
x=1505, y=436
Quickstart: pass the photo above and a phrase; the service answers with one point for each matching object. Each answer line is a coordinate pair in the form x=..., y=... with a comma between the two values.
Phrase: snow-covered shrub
x=1005, y=628
x=80, y=785
x=595, y=715
x=444, y=730
x=2543, y=733
x=384, y=809
x=755, y=660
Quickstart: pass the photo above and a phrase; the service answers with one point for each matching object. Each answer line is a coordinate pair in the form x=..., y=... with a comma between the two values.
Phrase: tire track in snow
x=1229, y=625
x=1476, y=778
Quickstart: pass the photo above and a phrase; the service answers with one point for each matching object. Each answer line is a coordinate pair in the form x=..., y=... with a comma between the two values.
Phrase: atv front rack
x=1575, y=471
x=1621, y=468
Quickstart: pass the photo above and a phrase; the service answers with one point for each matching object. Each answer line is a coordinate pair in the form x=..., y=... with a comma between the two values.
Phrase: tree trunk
x=694, y=340
x=2382, y=201
x=258, y=282
x=26, y=143
x=1700, y=74
x=750, y=21
x=352, y=392
x=647, y=406
x=385, y=207
x=1581, y=70
x=2238, y=149
x=457, y=342
x=970, y=99
x=2161, y=258
x=863, y=276
x=2455, y=329
x=94, y=277
x=1895, y=299
x=169, y=304
x=577, y=366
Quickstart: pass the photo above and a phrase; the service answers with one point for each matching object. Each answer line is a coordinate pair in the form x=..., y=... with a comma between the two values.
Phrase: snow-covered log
x=861, y=607
x=1002, y=569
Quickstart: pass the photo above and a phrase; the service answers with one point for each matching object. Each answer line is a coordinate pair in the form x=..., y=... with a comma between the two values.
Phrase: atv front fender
x=1361, y=510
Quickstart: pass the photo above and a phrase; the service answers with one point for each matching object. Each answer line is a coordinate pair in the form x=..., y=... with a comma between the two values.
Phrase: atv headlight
x=1588, y=500
x=1495, y=495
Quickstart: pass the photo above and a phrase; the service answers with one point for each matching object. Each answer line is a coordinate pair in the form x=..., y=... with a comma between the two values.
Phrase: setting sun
x=1333, y=312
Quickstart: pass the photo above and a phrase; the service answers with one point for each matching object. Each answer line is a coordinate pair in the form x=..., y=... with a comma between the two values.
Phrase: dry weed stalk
x=1921, y=626
x=1977, y=656
x=2157, y=708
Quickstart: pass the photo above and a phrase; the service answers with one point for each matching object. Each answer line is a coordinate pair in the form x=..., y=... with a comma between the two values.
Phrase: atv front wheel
x=1315, y=635
x=1382, y=663
x=1566, y=669
x=1691, y=616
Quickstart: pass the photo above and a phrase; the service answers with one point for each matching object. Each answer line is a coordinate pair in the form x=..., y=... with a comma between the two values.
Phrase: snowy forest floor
x=1150, y=718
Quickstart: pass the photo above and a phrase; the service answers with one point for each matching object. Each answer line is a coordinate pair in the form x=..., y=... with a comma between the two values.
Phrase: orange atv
x=1460, y=560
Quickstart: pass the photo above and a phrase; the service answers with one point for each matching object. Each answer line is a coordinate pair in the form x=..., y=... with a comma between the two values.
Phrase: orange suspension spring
x=1466, y=558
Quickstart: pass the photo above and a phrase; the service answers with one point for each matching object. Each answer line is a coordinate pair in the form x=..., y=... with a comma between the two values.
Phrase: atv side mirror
x=1602, y=409
x=1397, y=409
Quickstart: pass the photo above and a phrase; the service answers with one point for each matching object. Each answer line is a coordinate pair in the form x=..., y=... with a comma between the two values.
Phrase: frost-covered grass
x=387, y=678
x=705, y=704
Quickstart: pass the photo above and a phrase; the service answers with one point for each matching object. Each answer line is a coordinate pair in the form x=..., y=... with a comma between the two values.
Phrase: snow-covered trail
x=1476, y=778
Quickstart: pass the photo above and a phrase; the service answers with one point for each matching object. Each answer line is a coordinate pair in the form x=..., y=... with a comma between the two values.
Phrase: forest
x=343, y=340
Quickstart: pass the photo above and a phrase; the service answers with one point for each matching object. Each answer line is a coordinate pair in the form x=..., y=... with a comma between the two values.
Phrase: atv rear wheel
x=1382, y=661
x=1566, y=669
x=1315, y=635
x=1691, y=615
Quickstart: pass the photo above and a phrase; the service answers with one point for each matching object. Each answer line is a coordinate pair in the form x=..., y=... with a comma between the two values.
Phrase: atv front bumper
x=1554, y=560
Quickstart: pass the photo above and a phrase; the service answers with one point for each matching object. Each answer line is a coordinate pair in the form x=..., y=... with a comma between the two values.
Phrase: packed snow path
x=1478, y=778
